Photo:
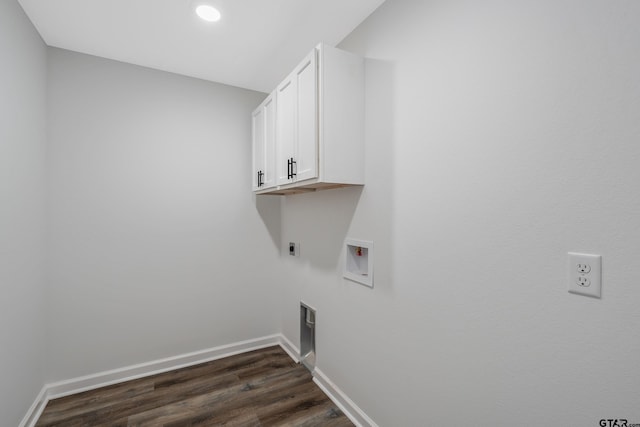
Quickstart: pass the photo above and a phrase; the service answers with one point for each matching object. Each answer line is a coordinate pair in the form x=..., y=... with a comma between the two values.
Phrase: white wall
x=500, y=136
x=157, y=247
x=22, y=168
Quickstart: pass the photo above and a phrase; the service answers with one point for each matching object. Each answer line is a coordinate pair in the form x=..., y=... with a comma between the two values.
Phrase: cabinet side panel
x=257, y=119
x=341, y=116
x=307, y=119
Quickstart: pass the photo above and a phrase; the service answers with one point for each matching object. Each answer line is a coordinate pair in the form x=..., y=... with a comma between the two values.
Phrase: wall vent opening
x=307, y=336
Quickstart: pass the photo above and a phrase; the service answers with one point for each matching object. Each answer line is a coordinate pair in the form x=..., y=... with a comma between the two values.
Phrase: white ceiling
x=254, y=45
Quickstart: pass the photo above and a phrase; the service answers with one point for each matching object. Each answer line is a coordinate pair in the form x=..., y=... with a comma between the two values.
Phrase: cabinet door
x=306, y=156
x=258, y=137
x=269, y=112
x=285, y=129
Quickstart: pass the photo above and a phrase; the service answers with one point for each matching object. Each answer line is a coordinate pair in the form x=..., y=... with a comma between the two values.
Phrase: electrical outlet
x=583, y=268
x=585, y=274
x=583, y=281
x=294, y=249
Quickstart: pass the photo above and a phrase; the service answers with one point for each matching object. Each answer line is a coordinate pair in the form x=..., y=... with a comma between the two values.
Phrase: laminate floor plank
x=239, y=396
x=255, y=389
x=93, y=400
x=94, y=415
x=169, y=390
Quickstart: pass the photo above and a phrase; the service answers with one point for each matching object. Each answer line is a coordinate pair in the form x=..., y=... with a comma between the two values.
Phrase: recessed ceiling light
x=208, y=13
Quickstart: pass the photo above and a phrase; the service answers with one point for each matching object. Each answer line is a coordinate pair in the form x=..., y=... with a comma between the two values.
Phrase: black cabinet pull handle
x=290, y=172
x=293, y=162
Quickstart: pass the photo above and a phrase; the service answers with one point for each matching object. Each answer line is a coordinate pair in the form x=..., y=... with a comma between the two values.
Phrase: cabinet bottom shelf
x=303, y=189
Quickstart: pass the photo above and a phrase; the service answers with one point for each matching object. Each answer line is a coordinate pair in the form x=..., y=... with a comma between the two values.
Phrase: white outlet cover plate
x=589, y=283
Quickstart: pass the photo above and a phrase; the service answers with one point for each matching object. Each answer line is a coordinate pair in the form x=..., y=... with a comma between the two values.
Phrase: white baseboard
x=36, y=409
x=106, y=378
x=337, y=396
x=290, y=348
x=350, y=409
x=103, y=379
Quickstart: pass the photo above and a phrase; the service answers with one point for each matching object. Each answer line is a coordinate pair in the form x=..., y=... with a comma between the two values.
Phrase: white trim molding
x=103, y=379
x=36, y=409
x=115, y=376
x=350, y=409
x=290, y=348
x=337, y=396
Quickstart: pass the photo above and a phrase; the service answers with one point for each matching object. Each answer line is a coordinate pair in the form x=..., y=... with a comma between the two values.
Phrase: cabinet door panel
x=269, y=178
x=285, y=128
x=257, y=120
x=307, y=119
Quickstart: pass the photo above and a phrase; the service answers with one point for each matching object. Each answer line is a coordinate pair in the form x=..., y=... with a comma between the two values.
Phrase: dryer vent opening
x=307, y=336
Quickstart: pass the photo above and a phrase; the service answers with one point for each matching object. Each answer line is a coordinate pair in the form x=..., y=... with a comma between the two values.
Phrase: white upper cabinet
x=297, y=116
x=263, y=122
x=285, y=130
x=306, y=159
x=319, y=125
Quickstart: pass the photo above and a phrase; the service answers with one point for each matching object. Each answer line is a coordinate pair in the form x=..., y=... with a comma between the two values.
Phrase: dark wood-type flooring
x=260, y=388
